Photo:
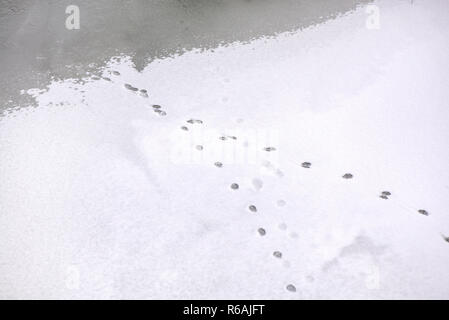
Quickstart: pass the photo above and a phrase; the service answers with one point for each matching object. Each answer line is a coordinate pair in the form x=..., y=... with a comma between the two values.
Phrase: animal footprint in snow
x=130, y=87
x=277, y=254
x=291, y=288
x=197, y=121
x=252, y=208
x=306, y=165
x=269, y=149
x=348, y=176
x=224, y=138
x=262, y=231
x=157, y=109
x=385, y=195
x=116, y=73
x=143, y=93
x=423, y=212
x=234, y=186
x=160, y=112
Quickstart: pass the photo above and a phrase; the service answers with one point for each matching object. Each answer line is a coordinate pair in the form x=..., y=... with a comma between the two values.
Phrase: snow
x=101, y=197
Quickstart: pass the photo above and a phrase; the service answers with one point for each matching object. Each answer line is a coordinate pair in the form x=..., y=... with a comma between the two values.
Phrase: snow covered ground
x=104, y=196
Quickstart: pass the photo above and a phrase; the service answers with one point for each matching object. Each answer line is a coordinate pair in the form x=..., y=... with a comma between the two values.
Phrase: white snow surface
x=101, y=197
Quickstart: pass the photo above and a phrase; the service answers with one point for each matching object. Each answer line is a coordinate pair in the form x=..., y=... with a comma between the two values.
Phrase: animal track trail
x=384, y=195
x=283, y=231
x=252, y=208
x=257, y=184
x=144, y=93
x=279, y=204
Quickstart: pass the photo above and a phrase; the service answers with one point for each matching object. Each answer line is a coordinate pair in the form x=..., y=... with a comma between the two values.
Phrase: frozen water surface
x=100, y=197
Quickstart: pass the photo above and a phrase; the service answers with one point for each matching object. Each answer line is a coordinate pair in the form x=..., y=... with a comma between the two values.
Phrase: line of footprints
x=235, y=186
x=252, y=208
